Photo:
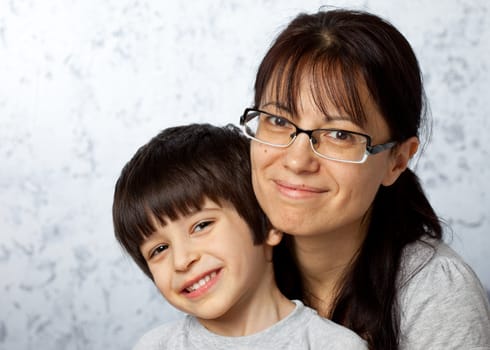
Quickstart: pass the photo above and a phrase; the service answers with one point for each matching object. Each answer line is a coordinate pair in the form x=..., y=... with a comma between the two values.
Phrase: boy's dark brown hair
x=171, y=176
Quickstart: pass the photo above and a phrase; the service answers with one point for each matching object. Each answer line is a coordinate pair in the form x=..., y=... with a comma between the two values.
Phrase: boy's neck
x=268, y=306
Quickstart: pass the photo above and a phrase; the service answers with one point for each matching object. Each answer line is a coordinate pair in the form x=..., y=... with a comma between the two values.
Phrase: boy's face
x=205, y=264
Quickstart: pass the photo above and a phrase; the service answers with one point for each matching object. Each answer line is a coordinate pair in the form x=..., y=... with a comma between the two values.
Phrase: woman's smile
x=297, y=191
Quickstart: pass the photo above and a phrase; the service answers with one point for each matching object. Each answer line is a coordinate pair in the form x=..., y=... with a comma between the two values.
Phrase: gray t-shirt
x=443, y=304
x=301, y=329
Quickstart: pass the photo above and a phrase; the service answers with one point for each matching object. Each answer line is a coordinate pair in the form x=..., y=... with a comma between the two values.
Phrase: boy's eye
x=158, y=250
x=200, y=226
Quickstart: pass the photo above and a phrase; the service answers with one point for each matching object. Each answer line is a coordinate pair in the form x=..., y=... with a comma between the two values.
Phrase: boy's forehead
x=179, y=212
x=159, y=222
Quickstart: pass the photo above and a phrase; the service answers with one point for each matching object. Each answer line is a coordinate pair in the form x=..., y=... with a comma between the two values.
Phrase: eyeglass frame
x=370, y=150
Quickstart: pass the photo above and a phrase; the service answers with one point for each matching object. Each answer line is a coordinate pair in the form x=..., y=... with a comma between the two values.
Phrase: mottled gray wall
x=83, y=83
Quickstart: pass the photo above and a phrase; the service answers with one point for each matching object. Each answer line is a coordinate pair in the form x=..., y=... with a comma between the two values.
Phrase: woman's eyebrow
x=326, y=117
x=277, y=105
x=337, y=117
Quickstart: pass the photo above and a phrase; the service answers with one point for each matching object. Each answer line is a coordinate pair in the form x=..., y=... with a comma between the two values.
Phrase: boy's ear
x=399, y=159
x=274, y=237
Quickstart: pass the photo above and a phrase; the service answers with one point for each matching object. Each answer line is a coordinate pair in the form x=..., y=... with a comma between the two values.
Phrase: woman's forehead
x=303, y=105
x=327, y=97
x=332, y=99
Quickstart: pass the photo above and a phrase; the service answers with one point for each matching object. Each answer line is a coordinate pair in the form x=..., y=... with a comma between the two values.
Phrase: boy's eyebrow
x=145, y=245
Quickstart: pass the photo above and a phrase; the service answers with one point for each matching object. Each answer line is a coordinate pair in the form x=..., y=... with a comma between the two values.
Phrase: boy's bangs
x=177, y=200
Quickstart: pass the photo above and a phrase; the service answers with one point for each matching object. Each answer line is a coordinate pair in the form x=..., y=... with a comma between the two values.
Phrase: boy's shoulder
x=302, y=329
x=322, y=333
x=163, y=336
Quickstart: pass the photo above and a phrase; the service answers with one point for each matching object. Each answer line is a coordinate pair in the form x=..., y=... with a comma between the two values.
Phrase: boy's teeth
x=201, y=282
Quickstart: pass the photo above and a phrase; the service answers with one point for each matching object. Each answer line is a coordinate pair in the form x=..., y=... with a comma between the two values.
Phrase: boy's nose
x=184, y=257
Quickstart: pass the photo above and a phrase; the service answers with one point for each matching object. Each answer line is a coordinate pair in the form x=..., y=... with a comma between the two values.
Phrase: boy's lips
x=199, y=285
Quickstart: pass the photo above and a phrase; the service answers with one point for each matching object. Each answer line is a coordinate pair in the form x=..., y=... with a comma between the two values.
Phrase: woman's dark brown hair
x=336, y=51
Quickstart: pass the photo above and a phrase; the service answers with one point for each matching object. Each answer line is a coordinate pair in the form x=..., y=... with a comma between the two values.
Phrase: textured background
x=83, y=83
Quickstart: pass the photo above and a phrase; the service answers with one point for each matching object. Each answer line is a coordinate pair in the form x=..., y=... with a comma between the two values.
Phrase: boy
x=185, y=211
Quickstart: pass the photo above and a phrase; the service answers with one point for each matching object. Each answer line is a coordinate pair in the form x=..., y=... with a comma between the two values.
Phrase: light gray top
x=301, y=329
x=443, y=304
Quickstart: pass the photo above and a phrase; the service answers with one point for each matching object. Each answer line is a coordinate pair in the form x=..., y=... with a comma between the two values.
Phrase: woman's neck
x=323, y=261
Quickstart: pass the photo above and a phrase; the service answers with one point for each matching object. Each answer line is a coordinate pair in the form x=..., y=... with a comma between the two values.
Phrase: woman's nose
x=299, y=156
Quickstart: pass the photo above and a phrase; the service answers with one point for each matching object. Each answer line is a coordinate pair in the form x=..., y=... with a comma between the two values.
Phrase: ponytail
x=367, y=303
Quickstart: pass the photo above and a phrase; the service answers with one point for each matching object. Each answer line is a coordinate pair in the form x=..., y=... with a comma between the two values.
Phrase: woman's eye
x=341, y=135
x=158, y=250
x=277, y=121
x=200, y=226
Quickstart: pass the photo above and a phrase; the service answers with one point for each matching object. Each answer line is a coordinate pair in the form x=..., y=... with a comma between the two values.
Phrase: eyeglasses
x=334, y=144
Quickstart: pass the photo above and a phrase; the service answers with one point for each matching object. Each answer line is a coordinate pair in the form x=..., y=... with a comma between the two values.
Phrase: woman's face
x=305, y=195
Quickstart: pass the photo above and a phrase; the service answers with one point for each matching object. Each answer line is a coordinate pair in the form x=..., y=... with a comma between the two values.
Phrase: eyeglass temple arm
x=381, y=147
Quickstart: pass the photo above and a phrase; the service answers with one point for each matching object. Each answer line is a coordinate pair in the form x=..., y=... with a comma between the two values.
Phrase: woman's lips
x=297, y=190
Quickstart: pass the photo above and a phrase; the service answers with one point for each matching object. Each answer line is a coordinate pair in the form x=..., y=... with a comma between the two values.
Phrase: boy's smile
x=206, y=264
x=200, y=285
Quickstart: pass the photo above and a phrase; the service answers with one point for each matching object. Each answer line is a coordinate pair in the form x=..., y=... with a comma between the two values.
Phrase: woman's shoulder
x=432, y=265
x=433, y=258
x=425, y=255
x=442, y=301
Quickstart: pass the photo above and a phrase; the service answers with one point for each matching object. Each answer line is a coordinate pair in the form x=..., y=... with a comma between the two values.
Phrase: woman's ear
x=399, y=159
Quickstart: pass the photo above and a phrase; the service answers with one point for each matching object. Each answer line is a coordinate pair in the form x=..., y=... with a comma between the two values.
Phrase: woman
x=339, y=106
